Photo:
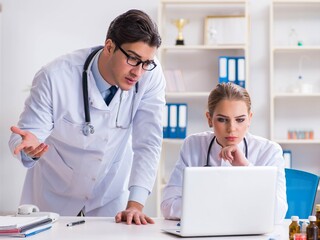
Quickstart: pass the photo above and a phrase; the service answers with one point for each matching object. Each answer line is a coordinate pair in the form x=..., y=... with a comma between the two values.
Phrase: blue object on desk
x=301, y=192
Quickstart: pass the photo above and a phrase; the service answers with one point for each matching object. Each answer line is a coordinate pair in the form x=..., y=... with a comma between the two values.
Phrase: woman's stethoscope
x=88, y=128
x=210, y=146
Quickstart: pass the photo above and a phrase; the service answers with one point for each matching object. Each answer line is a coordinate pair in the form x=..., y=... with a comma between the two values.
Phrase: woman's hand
x=234, y=155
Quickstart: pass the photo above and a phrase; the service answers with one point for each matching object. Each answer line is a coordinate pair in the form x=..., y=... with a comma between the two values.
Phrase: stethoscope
x=88, y=128
x=210, y=146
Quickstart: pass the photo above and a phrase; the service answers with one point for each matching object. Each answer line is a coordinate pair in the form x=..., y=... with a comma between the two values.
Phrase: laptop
x=228, y=201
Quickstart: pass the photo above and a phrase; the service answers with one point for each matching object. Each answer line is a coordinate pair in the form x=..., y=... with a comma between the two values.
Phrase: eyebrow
x=240, y=116
x=134, y=53
x=138, y=56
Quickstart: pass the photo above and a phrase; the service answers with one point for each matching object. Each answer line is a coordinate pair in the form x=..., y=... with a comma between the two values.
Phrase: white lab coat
x=94, y=171
x=261, y=152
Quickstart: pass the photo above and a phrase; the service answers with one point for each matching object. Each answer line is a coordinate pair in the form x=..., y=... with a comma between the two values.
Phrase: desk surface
x=96, y=228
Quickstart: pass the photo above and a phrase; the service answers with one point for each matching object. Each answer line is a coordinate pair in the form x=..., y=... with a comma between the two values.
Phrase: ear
x=209, y=119
x=108, y=46
x=250, y=117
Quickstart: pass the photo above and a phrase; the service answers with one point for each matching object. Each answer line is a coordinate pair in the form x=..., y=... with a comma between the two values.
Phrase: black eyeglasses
x=147, y=65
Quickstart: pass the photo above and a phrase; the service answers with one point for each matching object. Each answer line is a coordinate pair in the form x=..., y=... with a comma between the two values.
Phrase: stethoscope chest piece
x=87, y=129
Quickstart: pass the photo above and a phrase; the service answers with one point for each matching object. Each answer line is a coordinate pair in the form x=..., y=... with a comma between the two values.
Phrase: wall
x=36, y=31
x=33, y=33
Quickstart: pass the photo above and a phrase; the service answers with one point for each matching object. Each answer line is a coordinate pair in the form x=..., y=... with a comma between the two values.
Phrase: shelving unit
x=294, y=100
x=197, y=62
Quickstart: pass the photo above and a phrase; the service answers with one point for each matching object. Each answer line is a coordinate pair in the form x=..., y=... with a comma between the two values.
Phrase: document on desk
x=23, y=226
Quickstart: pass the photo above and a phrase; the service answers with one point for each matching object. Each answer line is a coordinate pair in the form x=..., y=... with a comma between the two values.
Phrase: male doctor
x=86, y=154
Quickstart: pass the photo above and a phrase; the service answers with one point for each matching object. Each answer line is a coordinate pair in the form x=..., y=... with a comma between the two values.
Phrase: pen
x=75, y=223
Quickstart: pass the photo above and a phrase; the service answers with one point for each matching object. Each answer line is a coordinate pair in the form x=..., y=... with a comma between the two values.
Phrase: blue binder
x=223, y=69
x=182, y=120
x=165, y=121
x=173, y=120
x=287, y=155
x=241, y=72
x=232, y=69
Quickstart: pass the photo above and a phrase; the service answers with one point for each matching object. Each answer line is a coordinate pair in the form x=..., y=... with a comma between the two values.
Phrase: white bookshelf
x=294, y=102
x=198, y=63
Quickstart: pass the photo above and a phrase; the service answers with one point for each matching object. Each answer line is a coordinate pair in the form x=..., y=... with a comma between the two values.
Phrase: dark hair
x=134, y=26
x=227, y=91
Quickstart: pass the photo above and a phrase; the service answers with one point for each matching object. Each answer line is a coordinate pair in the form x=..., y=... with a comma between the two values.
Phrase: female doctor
x=85, y=155
x=229, y=114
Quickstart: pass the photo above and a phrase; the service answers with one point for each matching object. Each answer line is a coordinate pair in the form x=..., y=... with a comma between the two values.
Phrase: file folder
x=173, y=120
x=241, y=72
x=182, y=120
x=287, y=155
x=165, y=120
x=223, y=69
x=232, y=70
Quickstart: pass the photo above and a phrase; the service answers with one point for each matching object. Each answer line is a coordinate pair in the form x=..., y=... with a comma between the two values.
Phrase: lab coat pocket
x=57, y=175
x=70, y=133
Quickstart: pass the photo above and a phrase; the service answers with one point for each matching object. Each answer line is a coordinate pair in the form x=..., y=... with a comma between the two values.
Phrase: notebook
x=229, y=201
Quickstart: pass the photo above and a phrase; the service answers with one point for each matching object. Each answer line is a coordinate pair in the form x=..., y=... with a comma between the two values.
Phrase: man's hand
x=29, y=144
x=133, y=214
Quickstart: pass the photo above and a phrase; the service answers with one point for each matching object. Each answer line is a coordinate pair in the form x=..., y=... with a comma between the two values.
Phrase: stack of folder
x=23, y=226
x=175, y=120
x=232, y=69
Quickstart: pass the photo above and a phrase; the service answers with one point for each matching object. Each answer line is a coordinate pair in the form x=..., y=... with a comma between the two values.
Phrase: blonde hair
x=227, y=91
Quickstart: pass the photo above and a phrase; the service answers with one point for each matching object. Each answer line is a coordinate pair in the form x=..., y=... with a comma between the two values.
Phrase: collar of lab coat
x=97, y=101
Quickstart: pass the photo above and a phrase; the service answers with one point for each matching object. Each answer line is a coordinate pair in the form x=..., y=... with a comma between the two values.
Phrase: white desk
x=99, y=228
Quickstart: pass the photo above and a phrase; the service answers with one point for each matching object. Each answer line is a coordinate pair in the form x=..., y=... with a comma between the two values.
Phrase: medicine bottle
x=294, y=227
x=312, y=229
x=303, y=228
x=318, y=218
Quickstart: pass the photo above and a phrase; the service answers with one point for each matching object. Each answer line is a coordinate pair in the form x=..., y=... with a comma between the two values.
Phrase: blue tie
x=113, y=90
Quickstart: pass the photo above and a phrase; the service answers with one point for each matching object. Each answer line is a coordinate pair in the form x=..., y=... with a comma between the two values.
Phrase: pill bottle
x=318, y=218
x=312, y=229
x=303, y=228
x=294, y=227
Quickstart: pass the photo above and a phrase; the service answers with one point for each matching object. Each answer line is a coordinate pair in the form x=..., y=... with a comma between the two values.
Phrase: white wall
x=36, y=31
x=33, y=33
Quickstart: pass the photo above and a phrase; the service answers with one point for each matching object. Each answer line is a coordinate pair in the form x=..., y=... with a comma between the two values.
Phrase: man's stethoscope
x=210, y=146
x=88, y=128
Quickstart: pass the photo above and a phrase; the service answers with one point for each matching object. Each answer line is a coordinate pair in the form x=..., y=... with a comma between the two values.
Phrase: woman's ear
x=209, y=119
x=250, y=117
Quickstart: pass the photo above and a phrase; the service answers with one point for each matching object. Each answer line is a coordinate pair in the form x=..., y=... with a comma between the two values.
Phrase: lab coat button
x=93, y=179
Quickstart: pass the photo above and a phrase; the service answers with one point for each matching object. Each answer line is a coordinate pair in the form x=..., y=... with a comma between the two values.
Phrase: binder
x=287, y=155
x=165, y=120
x=182, y=120
x=232, y=70
x=223, y=69
x=173, y=120
x=241, y=72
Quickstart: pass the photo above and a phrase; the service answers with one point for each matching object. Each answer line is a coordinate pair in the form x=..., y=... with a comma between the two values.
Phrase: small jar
x=294, y=227
x=312, y=229
x=318, y=218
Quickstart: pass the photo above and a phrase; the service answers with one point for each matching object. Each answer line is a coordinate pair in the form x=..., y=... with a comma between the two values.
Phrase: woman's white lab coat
x=261, y=152
x=94, y=171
